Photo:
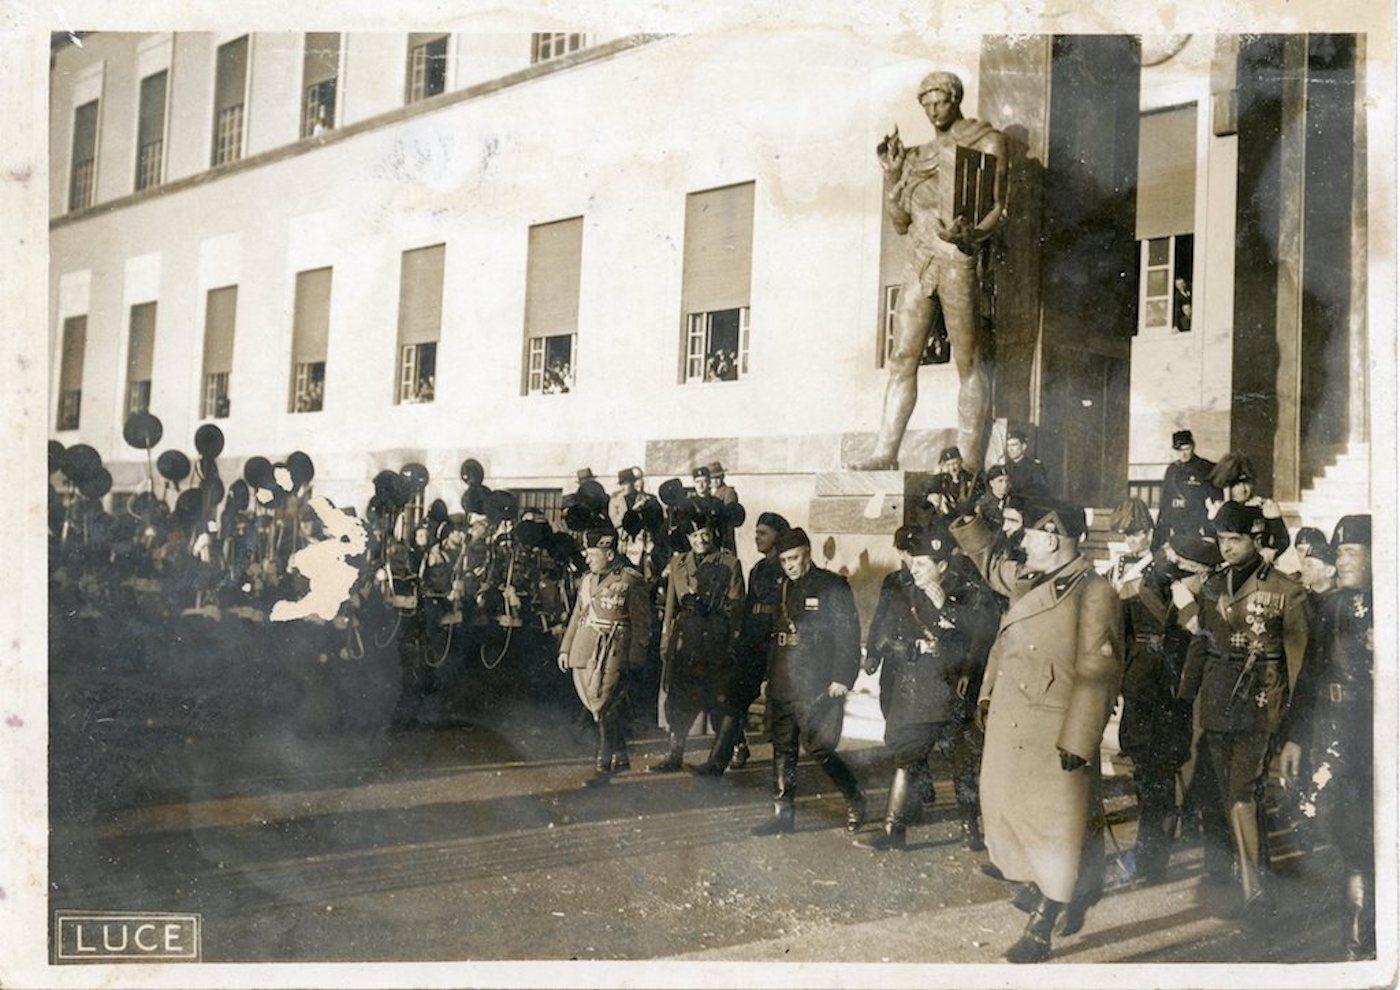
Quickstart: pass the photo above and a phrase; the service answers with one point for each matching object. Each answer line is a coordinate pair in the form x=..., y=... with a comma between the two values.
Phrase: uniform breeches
x=909, y=742
x=1238, y=761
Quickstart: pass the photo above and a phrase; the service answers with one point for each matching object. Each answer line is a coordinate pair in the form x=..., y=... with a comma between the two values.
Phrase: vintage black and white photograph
x=759, y=493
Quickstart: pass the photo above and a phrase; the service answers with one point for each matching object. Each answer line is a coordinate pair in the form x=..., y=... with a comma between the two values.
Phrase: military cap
x=692, y=518
x=773, y=521
x=1052, y=515
x=1018, y=433
x=1182, y=438
x=949, y=454
x=1352, y=529
x=1308, y=539
x=791, y=539
x=932, y=541
x=996, y=471
x=700, y=472
x=1240, y=519
x=945, y=81
x=716, y=469
x=1196, y=548
x=601, y=538
x=905, y=538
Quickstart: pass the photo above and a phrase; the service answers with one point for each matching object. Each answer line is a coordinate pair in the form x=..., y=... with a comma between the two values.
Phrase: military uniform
x=1331, y=719
x=815, y=643
x=1240, y=667
x=704, y=603
x=607, y=634
x=1185, y=488
x=1028, y=476
x=953, y=494
x=1155, y=729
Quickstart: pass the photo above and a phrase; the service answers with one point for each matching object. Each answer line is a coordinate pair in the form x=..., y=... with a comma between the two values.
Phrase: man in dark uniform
x=1244, y=659
x=1329, y=726
x=1027, y=474
x=1185, y=489
x=954, y=489
x=704, y=603
x=750, y=665
x=707, y=499
x=934, y=634
x=814, y=661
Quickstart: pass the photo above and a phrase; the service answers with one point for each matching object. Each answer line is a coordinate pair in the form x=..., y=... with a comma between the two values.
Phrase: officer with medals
x=750, y=667
x=1329, y=726
x=1186, y=487
x=934, y=634
x=607, y=633
x=1251, y=634
x=704, y=603
x=814, y=660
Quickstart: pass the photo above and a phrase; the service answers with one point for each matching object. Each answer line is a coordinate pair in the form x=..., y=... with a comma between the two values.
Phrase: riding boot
x=1361, y=922
x=1244, y=829
x=602, y=766
x=892, y=836
x=723, y=749
x=1034, y=944
x=972, y=828
x=675, y=758
x=740, y=756
x=784, y=797
x=849, y=787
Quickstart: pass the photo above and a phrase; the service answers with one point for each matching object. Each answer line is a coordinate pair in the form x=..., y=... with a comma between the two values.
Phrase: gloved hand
x=1070, y=763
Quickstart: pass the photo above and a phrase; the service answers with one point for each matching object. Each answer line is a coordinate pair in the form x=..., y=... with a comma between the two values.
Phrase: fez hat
x=1233, y=468
x=1308, y=539
x=716, y=468
x=603, y=538
x=692, y=517
x=791, y=539
x=949, y=454
x=1352, y=529
x=933, y=541
x=1131, y=516
x=904, y=538
x=1196, y=548
x=1052, y=515
x=1182, y=438
x=700, y=472
x=773, y=521
x=1019, y=433
x=1240, y=519
x=996, y=471
x=583, y=474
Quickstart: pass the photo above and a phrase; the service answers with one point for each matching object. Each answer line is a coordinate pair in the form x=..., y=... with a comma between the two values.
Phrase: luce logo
x=116, y=936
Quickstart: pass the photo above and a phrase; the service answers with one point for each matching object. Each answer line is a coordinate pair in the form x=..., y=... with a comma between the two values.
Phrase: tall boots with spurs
x=892, y=836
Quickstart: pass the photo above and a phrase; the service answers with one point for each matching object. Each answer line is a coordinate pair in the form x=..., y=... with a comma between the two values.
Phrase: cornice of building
x=303, y=146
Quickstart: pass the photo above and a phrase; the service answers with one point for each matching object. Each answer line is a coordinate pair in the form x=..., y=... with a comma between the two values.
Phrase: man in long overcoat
x=1050, y=686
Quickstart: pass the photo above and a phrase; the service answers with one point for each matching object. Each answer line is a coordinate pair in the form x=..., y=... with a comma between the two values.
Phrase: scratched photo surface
x=570, y=496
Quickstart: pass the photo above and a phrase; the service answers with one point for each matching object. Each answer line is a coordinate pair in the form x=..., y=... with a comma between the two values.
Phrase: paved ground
x=477, y=842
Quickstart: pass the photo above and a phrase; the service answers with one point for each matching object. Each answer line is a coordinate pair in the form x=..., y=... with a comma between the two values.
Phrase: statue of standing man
x=947, y=196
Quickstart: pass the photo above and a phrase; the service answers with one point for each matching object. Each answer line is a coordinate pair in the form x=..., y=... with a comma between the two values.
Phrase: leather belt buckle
x=787, y=639
x=1334, y=692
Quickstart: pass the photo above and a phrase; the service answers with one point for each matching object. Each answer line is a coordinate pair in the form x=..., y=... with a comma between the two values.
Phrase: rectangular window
x=140, y=357
x=319, y=78
x=548, y=502
x=427, y=67
x=84, y=170
x=230, y=85
x=150, y=131
x=420, y=323
x=1164, y=286
x=219, y=317
x=715, y=283
x=311, y=314
x=544, y=47
x=70, y=372
x=551, y=306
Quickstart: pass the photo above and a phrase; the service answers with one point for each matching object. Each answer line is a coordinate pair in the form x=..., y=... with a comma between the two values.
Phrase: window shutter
x=420, y=295
x=231, y=75
x=718, y=248
x=1166, y=197
x=70, y=375
x=85, y=132
x=141, y=352
x=322, y=60
x=552, y=278
x=219, y=314
x=311, y=316
x=151, y=125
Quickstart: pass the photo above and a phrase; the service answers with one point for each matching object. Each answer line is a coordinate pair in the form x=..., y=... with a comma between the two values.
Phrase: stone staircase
x=1340, y=488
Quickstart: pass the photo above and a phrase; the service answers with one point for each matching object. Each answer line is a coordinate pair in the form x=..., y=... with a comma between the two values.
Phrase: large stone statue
x=947, y=196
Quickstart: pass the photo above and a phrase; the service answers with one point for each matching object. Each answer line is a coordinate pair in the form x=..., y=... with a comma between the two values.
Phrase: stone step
x=867, y=483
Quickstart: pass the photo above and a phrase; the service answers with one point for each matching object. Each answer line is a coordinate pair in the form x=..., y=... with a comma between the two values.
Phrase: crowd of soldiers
x=998, y=644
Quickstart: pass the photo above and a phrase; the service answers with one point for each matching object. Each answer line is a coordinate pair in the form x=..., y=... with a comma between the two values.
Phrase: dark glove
x=979, y=717
x=1070, y=763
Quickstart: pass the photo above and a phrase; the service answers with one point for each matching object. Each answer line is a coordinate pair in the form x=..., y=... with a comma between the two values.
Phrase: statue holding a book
x=948, y=197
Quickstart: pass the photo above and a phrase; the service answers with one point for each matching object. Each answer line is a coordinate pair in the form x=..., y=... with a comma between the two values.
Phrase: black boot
x=740, y=757
x=1034, y=944
x=972, y=829
x=847, y=784
x=1025, y=897
x=784, y=794
x=892, y=836
x=722, y=751
x=602, y=766
x=1361, y=922
x=1072, y=918
x=675, y=758
x=1244, y=827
